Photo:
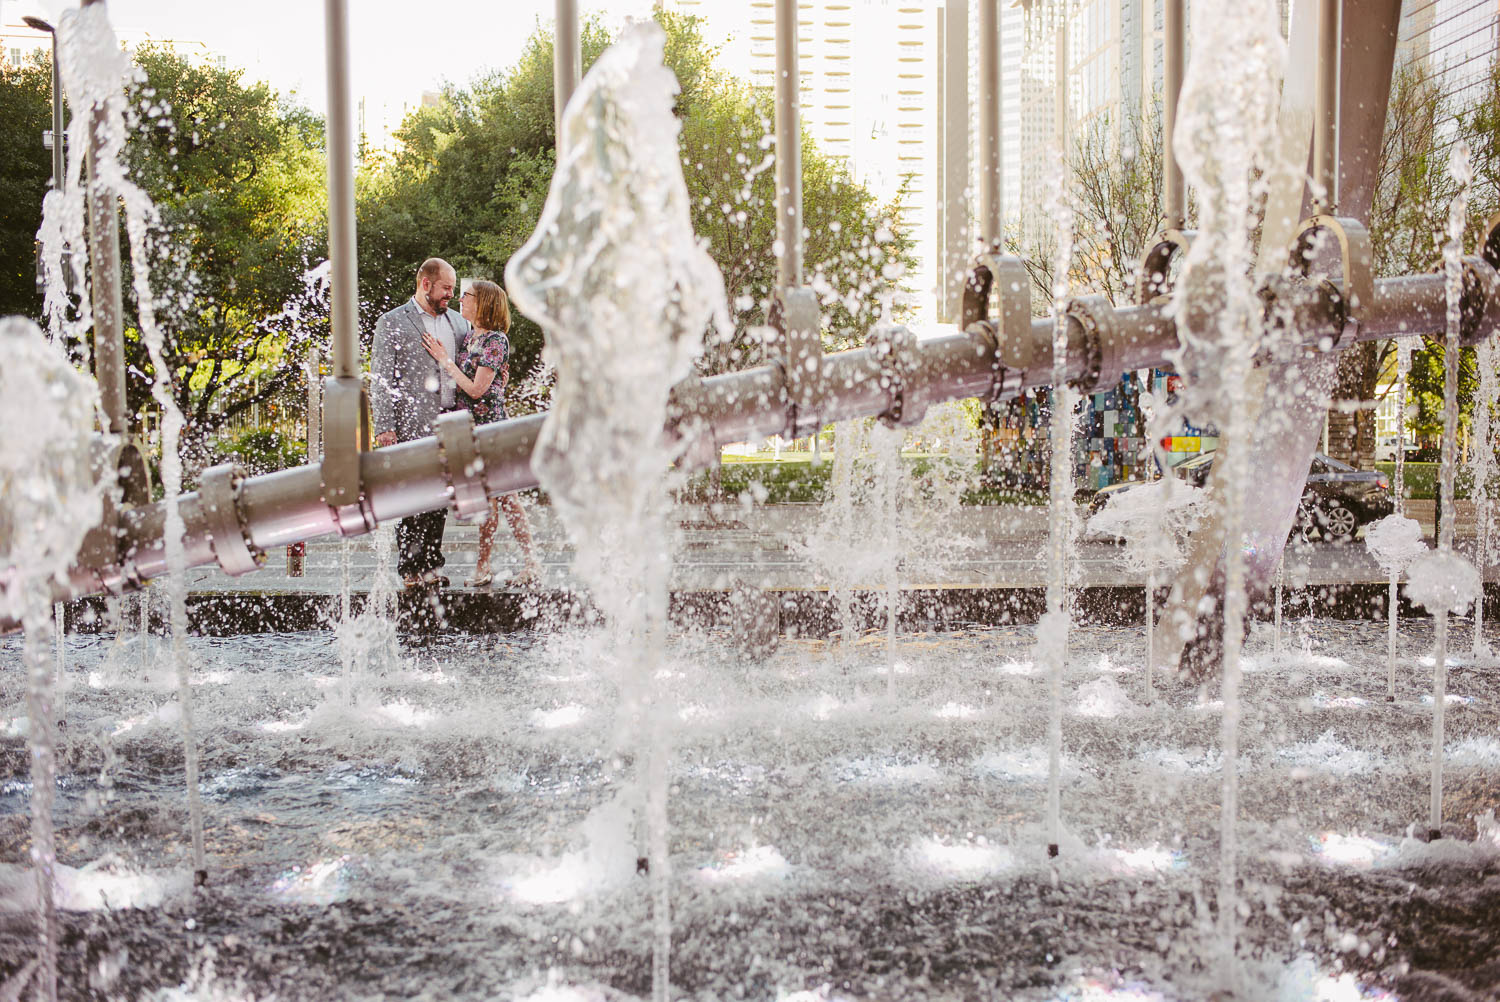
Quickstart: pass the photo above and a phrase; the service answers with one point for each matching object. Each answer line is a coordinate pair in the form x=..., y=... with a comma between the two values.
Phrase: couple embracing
x=429, y=359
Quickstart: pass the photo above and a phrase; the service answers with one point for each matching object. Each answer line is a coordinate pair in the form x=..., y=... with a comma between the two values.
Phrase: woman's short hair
x=491, y=307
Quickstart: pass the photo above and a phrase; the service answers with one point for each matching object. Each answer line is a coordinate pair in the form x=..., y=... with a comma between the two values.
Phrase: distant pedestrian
x=481, y=373
x=408, y=390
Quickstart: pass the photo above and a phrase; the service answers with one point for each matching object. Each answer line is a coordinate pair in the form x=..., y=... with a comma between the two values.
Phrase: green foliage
x=25, y=167
x=1409, y=218
x=1422, y=478
x=470, y=178
x=261, y=450
x=1425, y=389
x=238, y=180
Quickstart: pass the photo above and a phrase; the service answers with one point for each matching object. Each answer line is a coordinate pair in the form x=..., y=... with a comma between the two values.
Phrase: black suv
x=1336, y=502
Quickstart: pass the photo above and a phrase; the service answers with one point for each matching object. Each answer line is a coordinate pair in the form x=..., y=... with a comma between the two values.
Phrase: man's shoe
x=431, y=578
x=480, y=580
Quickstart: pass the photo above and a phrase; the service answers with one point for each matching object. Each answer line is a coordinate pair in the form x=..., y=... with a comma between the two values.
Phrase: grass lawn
x=1421, y=480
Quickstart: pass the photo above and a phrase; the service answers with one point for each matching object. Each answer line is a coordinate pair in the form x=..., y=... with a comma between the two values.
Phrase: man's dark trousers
x=419, y=543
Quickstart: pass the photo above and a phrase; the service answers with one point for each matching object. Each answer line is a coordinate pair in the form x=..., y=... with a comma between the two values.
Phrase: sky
x=398, y=49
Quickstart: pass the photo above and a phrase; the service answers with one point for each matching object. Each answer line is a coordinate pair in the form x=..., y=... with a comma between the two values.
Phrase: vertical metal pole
x=345, y=273
x=788, y=148
x=957, y=127
x=990, y=212
x=1060, y=117
x=1174, y=190
x=567, y=61
x=1325, y=129
x=59, y=166
x=104, y=283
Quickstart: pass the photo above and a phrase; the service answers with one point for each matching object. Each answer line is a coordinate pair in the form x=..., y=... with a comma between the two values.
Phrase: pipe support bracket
x=346, y=435
x=1153, y=277
x=1355, y=281
x=219, y=500
x=462, y=465
x=1015, y=349
x=1479, y=301
x=798, y=322
x=894, y=349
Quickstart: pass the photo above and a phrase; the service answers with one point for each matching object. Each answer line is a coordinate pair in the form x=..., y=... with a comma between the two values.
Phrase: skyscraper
x=870, y=83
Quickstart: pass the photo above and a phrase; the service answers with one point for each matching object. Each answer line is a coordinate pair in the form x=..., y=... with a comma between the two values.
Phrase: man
x=408, y=391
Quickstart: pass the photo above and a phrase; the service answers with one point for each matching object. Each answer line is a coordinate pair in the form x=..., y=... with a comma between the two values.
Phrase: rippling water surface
x=457, y=831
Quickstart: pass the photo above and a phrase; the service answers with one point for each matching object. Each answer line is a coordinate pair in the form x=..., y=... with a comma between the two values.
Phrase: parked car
x=1337, y=499
x=1385, y=450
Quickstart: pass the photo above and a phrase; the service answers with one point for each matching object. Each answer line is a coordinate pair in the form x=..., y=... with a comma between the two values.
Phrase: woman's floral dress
x=486, y=350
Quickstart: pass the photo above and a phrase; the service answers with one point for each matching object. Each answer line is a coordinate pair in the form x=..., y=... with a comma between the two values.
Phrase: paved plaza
x=783, y=547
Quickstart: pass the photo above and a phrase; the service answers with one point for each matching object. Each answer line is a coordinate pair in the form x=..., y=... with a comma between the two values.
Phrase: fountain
x=555, y=814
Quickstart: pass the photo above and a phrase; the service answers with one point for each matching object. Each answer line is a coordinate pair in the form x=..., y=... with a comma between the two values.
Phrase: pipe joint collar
x=1103, y=343
x=462, y=466
x=1013, y=348
x=228, y=533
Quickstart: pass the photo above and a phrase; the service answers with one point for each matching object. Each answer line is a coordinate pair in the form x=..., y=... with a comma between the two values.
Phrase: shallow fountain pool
x=463, y=831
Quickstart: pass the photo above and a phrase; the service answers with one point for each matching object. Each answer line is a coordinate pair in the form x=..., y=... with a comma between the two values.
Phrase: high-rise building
x=871, y=91
x=1455, y=41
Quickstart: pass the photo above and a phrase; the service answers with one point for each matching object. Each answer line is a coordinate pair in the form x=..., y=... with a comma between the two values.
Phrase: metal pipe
x=58, y=182
x=59, y=137
x=104, y=284
x=1060, y=69
x=288, y=507
x=344, y=295
x=957, y=197
x=990, y=210
x=1174, y=189
x=1325, y=129
x=104, y=280
x=567, y=63
x=788, y=148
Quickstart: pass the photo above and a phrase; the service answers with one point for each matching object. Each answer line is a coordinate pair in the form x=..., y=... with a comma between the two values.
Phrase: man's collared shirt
x=441, y=328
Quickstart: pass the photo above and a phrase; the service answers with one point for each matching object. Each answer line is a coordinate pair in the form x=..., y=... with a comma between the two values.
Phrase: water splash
x=625, y=291
x=1480, y=464
x=1055, y=625
x=95, y=74
x=1226, y=123
x=51, y=502
x=1460, y=169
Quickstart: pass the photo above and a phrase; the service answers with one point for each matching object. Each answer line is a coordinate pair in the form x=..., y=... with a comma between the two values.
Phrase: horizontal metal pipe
x=286, y=507
x=1409, y=304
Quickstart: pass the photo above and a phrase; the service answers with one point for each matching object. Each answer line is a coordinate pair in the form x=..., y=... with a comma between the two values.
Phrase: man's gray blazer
x=404, y=378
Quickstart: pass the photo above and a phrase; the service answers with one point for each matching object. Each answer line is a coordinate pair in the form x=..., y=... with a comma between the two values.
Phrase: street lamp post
x=57, y=107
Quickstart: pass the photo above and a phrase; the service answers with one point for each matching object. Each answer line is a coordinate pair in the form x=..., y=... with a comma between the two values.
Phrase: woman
x=481, y=372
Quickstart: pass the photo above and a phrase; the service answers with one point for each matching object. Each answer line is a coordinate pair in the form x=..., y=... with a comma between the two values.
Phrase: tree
x=1408, y=227
x=472, y=173
x=1115, y=192
x=25, y=167
x=237, y=176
